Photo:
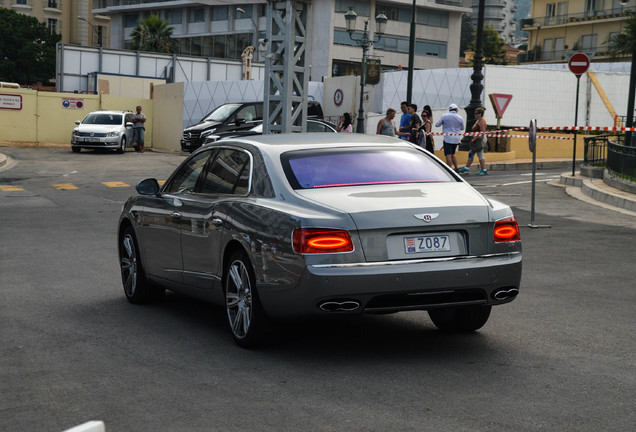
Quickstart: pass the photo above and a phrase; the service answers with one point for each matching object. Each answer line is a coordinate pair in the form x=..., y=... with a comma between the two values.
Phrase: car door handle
x=175, y=214
x=217, y=222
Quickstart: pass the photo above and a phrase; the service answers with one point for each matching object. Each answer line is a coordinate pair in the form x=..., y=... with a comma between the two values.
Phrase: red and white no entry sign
x=579, y=63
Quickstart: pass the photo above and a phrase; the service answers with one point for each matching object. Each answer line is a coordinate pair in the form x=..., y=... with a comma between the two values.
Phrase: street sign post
x=499, y=102
x=532, y=144
x=579, y=63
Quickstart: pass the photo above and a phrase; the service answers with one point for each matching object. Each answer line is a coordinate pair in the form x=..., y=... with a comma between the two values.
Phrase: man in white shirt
x=452, y=123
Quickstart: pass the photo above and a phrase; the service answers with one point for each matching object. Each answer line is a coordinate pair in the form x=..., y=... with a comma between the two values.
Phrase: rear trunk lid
x=412, y=221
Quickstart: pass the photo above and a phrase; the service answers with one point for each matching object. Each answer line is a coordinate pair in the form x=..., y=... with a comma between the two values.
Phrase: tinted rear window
x=361, y=166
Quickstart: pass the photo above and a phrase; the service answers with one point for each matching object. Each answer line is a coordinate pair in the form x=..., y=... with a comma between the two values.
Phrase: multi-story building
x=558, y=28
x=499, y=14
x=214, y=28
x=72, y=19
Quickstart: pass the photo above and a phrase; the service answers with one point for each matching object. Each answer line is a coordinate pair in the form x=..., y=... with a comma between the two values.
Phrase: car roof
x=280, y=143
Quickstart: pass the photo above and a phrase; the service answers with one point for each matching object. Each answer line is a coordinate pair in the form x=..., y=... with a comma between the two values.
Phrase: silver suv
x=103, y=130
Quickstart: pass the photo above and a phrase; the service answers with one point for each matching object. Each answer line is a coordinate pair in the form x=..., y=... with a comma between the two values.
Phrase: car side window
x=247, y=113
x=185, y=179
x=228, y=174
x=316, y=127
x=128, y=118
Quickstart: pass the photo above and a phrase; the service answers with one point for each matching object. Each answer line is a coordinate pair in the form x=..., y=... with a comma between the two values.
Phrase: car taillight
x=319, y=240
x=507, y=230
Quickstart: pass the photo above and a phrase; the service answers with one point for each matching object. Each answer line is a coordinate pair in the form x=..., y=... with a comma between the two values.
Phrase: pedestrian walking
x=405, y=120
x=426, y=139
x=139, y=128
x=453, y=124
x=344, y=123
x=387, y=127
x=478, y=143
x=414, y=126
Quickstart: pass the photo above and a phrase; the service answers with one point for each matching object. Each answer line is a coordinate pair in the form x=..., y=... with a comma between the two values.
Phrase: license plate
x=423, y=244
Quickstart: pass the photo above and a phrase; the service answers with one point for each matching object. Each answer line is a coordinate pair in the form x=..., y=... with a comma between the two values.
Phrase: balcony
x=605, y=14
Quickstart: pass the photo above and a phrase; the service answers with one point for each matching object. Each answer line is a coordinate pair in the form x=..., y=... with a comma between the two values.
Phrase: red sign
x=579, y=63
x=500, y=102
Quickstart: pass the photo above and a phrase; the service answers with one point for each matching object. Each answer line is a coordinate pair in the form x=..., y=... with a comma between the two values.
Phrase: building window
x=175, y=16
x=341, y=37
x=430, y=49
x=220, y=13
x=53, y=4
x=547, y=54
x=433, y=19
x=588, y=42
x=131, y=20
x=52, y=23
x=197, y=15
x=362, y=8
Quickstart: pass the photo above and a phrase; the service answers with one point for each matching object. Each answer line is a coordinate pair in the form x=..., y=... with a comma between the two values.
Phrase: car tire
x=76, y=149
x=122, y=146
x=249, y=324
x=465, y=319
x=136, y=287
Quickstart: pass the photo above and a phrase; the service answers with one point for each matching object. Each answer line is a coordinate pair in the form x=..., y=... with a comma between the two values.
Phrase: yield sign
x=500, y=102
x=579, y=64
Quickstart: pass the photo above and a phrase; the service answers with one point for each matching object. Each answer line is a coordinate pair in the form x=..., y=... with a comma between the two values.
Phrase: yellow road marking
x=65, y=186
x=116, y=184
x=11, y=188
x=161, y=182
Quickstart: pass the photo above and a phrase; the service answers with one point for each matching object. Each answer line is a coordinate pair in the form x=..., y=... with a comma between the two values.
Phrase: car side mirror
x=77, y=122
x=240, y=121
x=129, y=124
x=148, y=186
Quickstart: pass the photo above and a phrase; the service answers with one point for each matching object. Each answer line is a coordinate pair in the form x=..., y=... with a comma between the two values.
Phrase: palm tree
x=152, y=34
x=622, y=44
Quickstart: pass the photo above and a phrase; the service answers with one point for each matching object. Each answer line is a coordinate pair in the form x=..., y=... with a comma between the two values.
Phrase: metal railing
x=621, y=161
x=611, y=152
x=595, y=153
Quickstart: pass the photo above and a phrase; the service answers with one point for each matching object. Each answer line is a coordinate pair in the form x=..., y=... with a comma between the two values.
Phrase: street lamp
x=96, y=30
x=364, y=42
x=261, y=42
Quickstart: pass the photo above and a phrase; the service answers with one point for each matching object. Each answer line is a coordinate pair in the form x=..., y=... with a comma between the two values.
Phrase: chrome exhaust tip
x=339, y=306
x=504, y=294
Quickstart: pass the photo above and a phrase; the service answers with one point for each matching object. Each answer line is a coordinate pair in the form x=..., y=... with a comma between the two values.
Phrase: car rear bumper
x=398, y=286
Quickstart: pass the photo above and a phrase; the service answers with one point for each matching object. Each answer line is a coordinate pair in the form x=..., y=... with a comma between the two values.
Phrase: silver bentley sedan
x=280, y=227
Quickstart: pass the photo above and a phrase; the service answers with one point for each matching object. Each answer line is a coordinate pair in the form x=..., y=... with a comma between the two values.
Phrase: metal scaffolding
x=286, y=68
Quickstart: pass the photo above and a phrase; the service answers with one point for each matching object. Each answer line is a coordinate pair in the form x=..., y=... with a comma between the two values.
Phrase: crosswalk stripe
x=65, y=186
x=11, y=188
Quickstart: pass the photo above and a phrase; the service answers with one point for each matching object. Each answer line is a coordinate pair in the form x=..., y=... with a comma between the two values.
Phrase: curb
x=598, y=192
x=512, y=166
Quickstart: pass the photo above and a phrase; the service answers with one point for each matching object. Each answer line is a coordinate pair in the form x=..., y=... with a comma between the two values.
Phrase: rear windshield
x=103, y=119
x=361, y=166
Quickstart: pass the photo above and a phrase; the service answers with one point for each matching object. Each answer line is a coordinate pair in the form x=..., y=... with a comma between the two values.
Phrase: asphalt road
x=72, y=349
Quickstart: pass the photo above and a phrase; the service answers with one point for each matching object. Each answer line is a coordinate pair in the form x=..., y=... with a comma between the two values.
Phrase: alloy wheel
x=238, y=299
x=129, y=265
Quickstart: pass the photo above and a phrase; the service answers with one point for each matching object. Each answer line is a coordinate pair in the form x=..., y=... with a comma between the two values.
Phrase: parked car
x=103, y=130
x=232, y=117
x=313, y=126
x=285, y=226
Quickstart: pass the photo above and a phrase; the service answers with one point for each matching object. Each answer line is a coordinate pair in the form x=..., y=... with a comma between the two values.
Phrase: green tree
x=152, y=34
x=492, y=46
x=27, y=49
x=622, y=44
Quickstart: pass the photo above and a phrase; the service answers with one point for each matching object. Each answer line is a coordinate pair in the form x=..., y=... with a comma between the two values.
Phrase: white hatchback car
x=103, y=130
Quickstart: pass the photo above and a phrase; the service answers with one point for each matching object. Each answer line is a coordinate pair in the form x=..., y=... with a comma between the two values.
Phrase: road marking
x=161, y=182
x=116, y=184
x=11, y=188
x=65, y=186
